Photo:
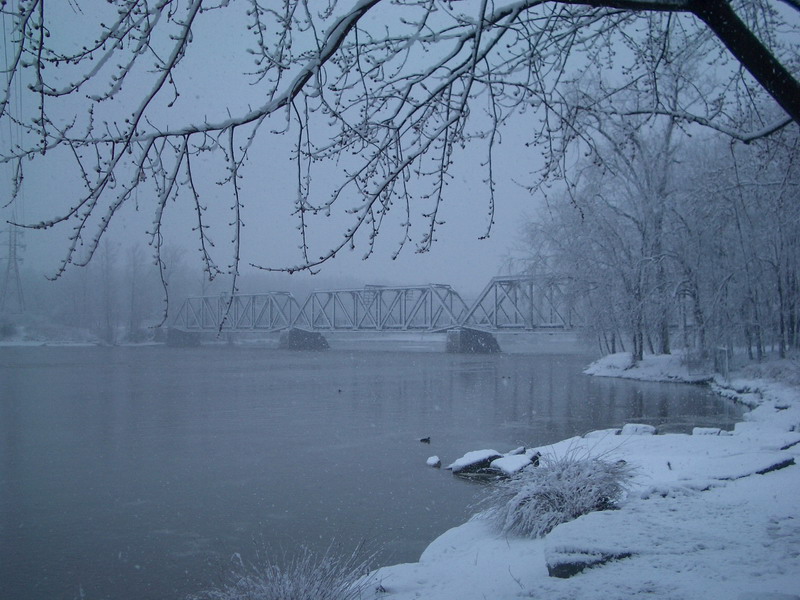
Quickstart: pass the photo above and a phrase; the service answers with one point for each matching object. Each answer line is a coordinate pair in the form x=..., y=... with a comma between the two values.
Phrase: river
x=137, y=472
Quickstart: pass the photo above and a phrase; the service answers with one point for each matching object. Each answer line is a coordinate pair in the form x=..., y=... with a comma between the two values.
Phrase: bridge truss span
x=516, y=303
x=431, y=307
x=268, y=312
x=520, y=303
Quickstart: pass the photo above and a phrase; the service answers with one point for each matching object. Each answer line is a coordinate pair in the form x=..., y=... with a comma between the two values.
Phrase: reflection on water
x=136, y=472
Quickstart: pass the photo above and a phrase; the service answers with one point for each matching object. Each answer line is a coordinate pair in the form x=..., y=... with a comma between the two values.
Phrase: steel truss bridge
x=517, y=303
x=520, y=303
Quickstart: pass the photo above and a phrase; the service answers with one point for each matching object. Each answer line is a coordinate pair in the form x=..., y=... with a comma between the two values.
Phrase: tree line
x=119, y=297
x=124, y=296
x=662, y=241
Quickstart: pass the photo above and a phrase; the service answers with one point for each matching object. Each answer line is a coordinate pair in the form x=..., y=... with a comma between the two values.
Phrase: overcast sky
x=459, y=257
x=270, y=238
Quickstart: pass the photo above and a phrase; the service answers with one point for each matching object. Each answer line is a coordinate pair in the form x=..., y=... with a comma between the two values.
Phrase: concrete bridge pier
x=465, y=340
x=302, y=339
x=178, y=338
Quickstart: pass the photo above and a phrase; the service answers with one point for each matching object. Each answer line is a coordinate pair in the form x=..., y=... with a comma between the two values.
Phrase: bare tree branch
x=388, y=92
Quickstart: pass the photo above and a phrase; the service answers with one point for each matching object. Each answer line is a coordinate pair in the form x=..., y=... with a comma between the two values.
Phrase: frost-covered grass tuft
x=308, y=576
x=560, y=489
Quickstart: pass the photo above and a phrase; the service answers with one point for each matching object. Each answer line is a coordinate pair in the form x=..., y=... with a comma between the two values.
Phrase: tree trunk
x=664, y=337
x=758, y=330
x=781, y=319
x=792, y=320
x=638, y=339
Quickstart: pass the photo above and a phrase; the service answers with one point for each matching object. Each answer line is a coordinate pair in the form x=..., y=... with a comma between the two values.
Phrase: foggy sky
x=270, y=237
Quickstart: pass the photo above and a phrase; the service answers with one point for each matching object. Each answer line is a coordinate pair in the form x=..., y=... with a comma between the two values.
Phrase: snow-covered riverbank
x=710, y=515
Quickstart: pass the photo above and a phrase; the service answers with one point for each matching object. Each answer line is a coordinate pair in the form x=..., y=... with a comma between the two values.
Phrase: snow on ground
x=667, y=367
x=709, y=516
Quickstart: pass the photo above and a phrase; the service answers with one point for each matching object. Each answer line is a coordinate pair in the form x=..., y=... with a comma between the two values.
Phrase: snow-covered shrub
x=560, y=489
x=308, y=576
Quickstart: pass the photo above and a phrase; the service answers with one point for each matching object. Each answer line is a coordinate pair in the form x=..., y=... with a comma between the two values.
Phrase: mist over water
x=136, y=472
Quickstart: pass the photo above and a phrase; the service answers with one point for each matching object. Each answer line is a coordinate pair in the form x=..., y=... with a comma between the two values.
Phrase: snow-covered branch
x=384, y=93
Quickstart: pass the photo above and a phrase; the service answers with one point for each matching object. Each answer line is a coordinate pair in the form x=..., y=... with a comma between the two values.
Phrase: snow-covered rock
x=637, y=429
x=601, y=433
x=474, y=461
x=511, y=463
x=434, y=461
x=706, y=431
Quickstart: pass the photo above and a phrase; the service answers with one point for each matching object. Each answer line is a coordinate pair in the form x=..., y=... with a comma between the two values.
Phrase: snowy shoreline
x=710, y=515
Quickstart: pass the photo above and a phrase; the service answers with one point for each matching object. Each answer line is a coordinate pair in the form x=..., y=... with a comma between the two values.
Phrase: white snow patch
x=511, y=463
x=637, y=429
x=667, y=367
x=600, y=433
x=706, y=431
x=698, y=523
x=471, y=458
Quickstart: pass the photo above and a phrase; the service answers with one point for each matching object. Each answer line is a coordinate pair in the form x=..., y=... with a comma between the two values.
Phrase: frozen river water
x=131, y=473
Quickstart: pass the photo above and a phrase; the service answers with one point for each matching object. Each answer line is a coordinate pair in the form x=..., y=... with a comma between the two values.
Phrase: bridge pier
x=302, y=339
x=177, y=338
x=465, y=340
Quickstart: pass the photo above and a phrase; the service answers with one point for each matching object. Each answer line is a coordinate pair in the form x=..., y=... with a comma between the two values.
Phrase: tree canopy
x=666, y=239
x=144, y=99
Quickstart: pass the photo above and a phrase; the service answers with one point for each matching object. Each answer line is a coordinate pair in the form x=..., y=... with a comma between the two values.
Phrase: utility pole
x=12, y=300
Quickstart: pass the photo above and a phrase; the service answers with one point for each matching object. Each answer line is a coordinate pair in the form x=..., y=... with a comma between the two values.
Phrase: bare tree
x=108, y=314
x=387, y=91
x=135, y=259
x=714, y=226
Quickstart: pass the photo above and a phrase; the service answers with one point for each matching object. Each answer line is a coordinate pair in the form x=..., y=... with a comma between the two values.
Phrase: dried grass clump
x=560, y=489
x=308, y=576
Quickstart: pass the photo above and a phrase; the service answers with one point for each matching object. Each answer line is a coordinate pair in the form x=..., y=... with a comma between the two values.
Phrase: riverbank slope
x=712, y=515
